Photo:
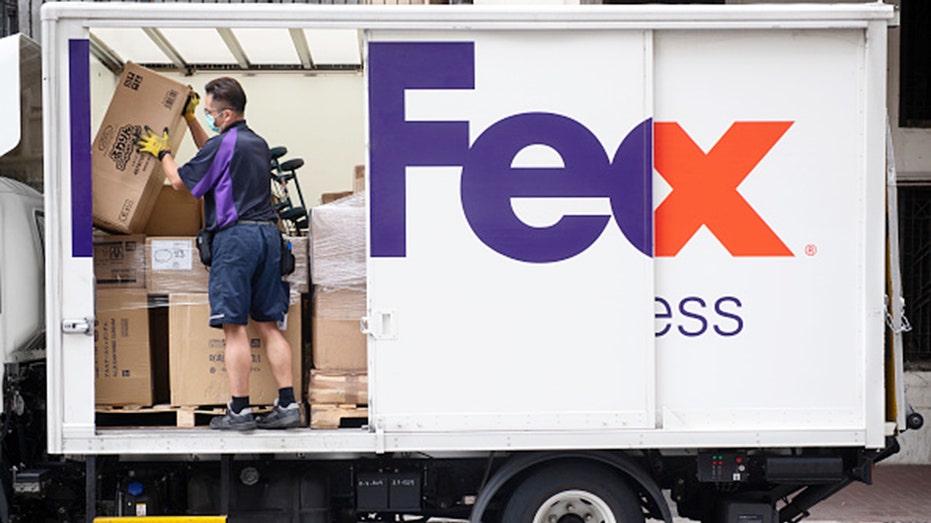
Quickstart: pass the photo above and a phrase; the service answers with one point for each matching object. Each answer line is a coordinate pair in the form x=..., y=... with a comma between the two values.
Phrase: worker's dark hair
x=228, y=92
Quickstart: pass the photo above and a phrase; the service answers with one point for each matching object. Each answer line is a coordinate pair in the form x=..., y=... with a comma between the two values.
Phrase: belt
x=248, y=222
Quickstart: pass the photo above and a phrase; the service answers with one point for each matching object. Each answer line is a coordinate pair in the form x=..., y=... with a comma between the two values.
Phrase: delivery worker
x=231, y=172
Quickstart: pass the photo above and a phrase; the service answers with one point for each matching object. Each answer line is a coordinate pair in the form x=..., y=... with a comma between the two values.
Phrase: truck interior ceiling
x=319, y=119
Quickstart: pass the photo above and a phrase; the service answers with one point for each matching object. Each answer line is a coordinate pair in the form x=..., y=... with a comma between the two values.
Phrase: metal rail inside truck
x=620, y=263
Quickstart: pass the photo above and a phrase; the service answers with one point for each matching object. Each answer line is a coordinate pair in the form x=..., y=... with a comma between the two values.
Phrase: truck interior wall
x=103, y=82
x=318, y=118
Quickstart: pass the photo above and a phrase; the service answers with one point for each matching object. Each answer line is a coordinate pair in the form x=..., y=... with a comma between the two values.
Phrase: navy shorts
x=245, y=276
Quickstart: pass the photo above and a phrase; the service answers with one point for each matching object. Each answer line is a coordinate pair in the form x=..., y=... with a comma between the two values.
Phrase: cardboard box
x=176, y=213
x=358, y=179
x=330, y=197
x=126, y=182
x=336, y=386
x=122, y=357
x=119, y=260
x=173, y=265
x=337, y=341
x=196, y=355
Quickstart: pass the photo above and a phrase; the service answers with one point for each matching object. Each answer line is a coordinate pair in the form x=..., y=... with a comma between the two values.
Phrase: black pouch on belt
x=204, y=242
x=287, y=257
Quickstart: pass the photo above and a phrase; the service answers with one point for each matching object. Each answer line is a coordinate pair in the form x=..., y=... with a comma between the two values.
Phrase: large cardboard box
x=119, y=260
x=337, y=341
x=176, y=213
x=126, y=182
x=173, y=265
x=196, y=355
x=122, y=356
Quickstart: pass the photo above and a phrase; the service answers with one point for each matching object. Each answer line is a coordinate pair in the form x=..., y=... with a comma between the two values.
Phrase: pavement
x=899, y=494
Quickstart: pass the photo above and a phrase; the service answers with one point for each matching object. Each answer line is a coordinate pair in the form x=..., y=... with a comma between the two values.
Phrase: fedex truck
x=622, y=263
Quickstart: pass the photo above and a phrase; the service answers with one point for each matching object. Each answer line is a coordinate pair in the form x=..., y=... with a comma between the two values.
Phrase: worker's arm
x=171, y=172
x=197, y=132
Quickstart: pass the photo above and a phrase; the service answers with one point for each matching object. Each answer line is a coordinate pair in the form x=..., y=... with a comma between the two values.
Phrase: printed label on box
x=172, y=255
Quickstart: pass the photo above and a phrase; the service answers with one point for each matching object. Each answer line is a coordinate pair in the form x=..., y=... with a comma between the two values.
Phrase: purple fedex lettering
x=395, y=143
x=489, y=182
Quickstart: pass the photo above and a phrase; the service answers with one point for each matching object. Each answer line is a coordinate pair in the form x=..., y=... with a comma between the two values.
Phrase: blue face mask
x=211, y=122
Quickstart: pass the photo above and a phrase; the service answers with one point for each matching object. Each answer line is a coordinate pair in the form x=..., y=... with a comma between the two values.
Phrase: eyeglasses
x=215, y=112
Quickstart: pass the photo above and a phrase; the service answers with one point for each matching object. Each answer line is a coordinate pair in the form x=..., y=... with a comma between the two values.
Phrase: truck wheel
x=573, y=493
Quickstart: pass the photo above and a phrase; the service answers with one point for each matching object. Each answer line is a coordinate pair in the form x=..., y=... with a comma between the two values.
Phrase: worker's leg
x=236, y=252
x=278, y=352
x=269, y=305
x=287, y=412
x=238, y=365
x=238, y=358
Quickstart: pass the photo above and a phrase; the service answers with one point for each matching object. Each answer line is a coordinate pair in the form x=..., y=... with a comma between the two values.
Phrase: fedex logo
x=704, y=185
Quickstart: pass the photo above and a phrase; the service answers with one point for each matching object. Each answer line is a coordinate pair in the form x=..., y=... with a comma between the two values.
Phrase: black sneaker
x=233, y=421
x=280, y=417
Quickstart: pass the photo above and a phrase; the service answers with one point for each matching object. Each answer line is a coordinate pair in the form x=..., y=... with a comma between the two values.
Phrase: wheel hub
x=574, y=506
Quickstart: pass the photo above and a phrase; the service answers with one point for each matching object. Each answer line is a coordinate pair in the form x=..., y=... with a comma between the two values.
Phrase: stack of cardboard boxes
x=152, y=339
x=339, y=301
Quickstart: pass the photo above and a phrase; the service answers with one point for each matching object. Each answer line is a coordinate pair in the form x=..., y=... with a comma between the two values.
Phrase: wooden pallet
x=334, y=416
x=160, y=415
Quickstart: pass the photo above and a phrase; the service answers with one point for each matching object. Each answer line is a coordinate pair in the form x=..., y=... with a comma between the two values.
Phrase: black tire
x=570, y=491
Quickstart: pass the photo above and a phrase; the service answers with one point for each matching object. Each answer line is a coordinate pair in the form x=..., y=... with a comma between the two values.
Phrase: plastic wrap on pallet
x=122, y=361
x=173, y=265
x=132, y=326
x=338, y=243
x=119, y=260
x=300, y=278
x=123, y=300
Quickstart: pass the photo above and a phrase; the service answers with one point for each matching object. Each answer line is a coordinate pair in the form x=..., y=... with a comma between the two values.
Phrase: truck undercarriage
x=711, y=485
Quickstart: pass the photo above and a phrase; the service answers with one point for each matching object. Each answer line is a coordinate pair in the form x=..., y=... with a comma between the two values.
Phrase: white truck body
x=499, y=319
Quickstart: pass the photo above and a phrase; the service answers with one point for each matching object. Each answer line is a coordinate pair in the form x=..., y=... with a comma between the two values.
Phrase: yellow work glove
x=154, y=144
x=190, y=106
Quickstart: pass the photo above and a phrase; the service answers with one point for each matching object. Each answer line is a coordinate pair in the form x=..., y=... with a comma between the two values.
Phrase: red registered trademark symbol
x=811, y=249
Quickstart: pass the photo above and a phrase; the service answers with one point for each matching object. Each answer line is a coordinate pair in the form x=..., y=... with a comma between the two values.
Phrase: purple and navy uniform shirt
x=231, y=173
